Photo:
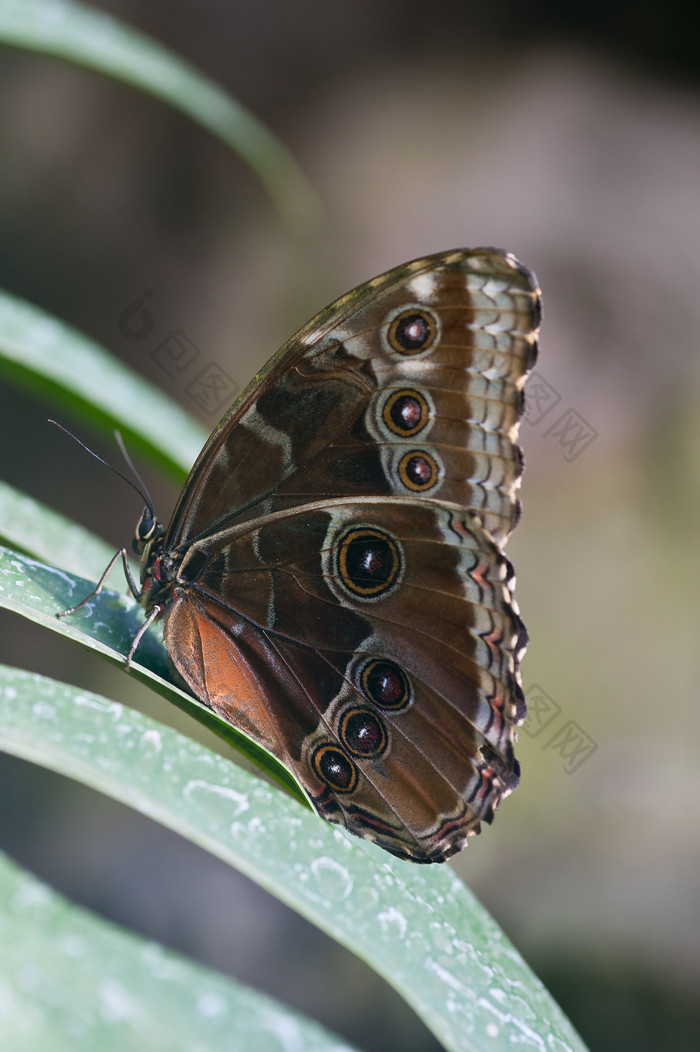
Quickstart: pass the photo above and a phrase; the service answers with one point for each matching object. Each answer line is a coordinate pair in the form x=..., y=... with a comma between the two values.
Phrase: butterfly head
x=156, y=565
x=148, y=529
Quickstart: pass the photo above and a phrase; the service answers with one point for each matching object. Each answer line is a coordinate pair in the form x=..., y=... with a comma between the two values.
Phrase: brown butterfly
x=332, y=581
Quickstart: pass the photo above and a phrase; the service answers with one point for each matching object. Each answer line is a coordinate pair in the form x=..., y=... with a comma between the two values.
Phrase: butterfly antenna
x=132, y=468
x=143, y=493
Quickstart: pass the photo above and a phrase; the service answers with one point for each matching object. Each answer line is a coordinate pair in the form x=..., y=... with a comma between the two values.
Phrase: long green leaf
x=44, y=353
x=417, y=926
x=31, y=527
x=97, y=41
x=69, y=980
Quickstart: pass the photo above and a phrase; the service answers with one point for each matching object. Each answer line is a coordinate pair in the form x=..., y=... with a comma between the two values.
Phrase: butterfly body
x=333, y=582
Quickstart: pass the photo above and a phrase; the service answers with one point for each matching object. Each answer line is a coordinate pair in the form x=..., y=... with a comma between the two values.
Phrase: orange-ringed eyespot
x=385, y=684
x=334, y=768
x=418, y=470
x=362, y=733
x=369, y=561
x=406, y=412
x=412, y=331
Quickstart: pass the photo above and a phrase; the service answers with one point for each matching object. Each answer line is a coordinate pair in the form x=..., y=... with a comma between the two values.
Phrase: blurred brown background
x=569, y=136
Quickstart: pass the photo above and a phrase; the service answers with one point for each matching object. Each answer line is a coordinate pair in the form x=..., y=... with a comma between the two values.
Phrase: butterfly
x=332, y=581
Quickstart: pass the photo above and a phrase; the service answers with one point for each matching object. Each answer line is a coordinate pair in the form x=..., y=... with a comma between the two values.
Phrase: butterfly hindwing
x=372, y=645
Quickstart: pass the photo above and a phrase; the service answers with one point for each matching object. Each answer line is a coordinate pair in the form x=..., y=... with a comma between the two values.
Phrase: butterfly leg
x=133, y=587
x=154, y=614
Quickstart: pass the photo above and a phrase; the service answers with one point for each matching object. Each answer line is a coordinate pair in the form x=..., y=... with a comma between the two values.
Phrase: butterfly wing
x=411, y=384
x=371, y=645
x=380, y=440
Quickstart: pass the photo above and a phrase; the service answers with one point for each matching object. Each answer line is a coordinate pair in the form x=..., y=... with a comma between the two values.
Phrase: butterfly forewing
x=333, y=580
x=353, y=406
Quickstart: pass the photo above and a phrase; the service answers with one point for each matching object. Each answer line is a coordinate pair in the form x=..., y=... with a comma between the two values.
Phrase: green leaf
x=417, y=926
x=69, y=980
x=31, y=527
x=98, y=41
x=49, y=356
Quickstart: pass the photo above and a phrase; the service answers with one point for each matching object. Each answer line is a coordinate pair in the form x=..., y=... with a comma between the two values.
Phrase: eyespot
x=362, y=733
x=385, y=684
x=334, y=768
x=406, y=412
x=418, y=470
x=412, y=331
x=369, y=561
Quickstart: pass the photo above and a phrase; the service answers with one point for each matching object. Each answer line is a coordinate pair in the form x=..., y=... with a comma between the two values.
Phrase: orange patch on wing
x=211, y=663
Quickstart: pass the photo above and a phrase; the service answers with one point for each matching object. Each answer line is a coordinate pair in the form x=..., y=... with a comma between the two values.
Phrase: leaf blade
x=45, y=354
x=69, y=979
x=30, y=527
x=419, y=927
x=97, y=41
